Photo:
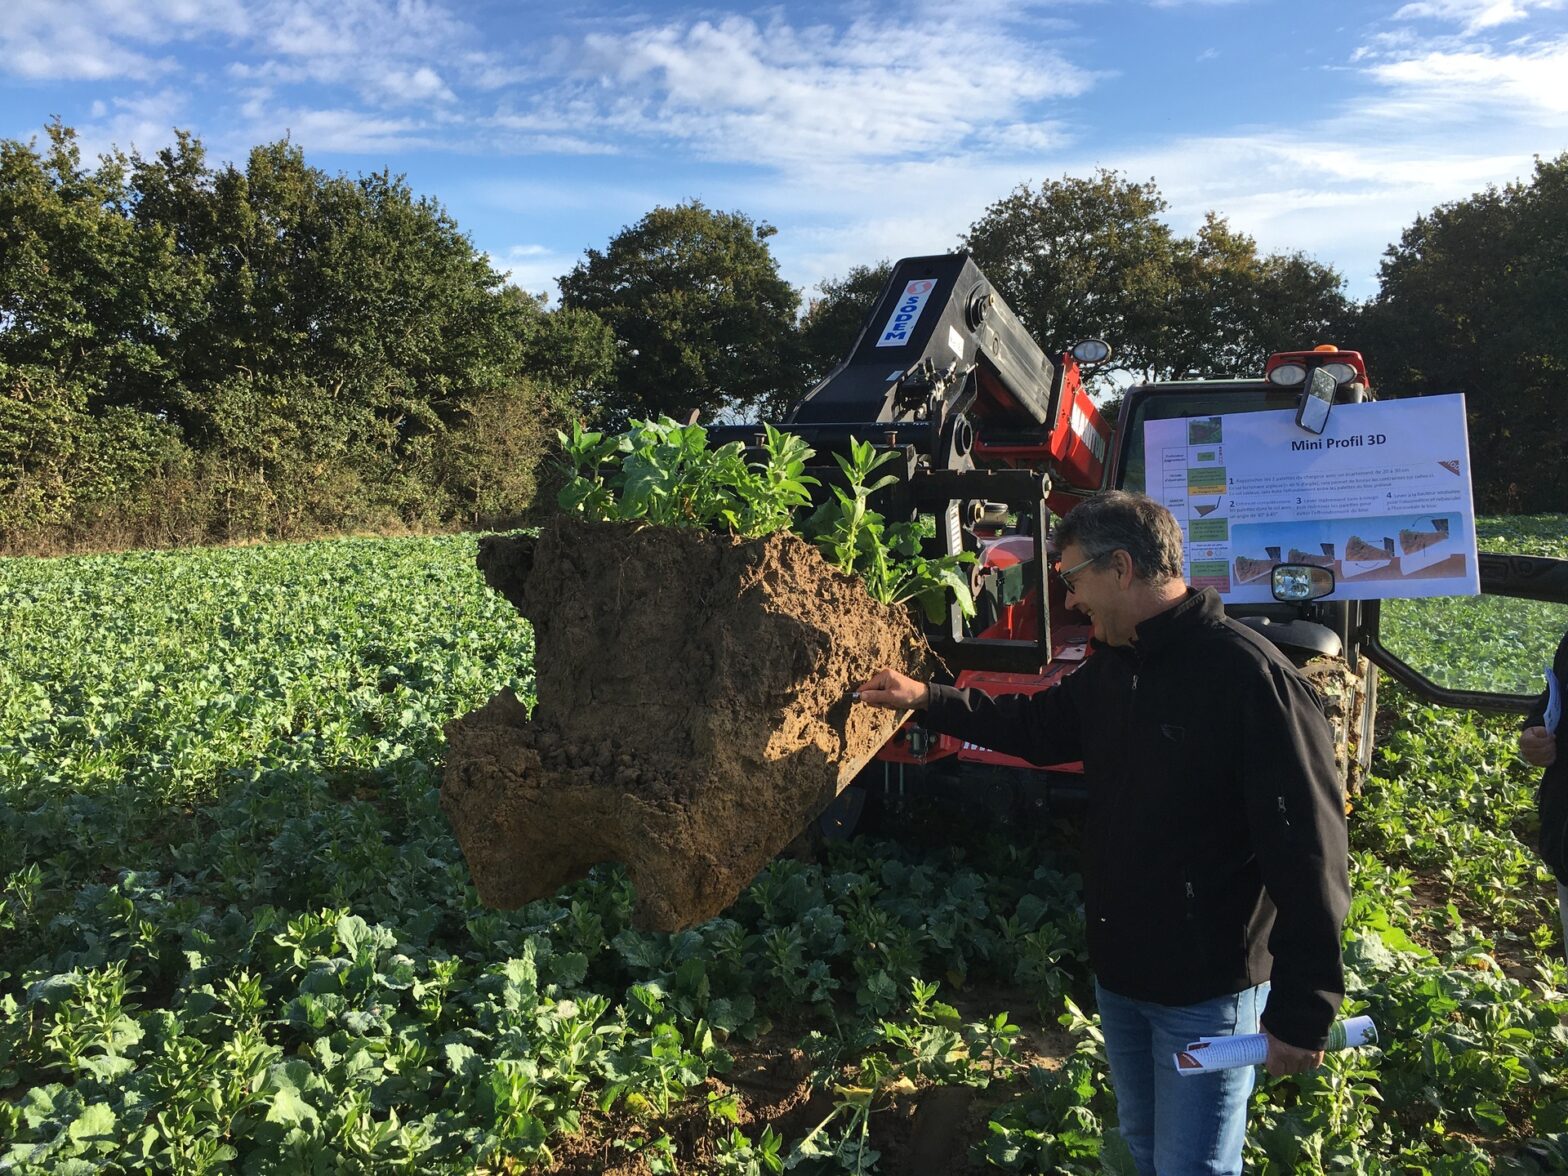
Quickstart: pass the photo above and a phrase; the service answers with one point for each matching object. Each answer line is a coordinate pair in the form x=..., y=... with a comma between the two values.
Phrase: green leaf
x=95, y=1125
x=461, y=1060
x=568, y=969
x=107, y=1068
x=289, y=1109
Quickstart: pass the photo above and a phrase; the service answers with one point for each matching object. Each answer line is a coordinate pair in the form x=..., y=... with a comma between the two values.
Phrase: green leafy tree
x=83, y=292
x=260, y=350
x=1081, y=257
x=1084, y=257
x=1471, y=300
x=492, y=457
x=348, y=323
x=703, y=320
x=571, y=353
x=82, y=287
x=1232, y=307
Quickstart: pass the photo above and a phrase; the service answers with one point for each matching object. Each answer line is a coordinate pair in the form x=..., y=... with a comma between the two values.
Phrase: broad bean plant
x=664, y=473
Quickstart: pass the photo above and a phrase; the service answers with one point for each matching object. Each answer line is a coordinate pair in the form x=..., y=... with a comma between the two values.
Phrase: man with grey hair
x=1215, y=863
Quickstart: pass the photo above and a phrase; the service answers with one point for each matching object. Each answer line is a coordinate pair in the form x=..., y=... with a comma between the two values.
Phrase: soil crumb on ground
x=693, y=712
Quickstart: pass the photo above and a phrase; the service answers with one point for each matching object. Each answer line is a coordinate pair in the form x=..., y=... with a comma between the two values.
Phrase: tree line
x=194, y=353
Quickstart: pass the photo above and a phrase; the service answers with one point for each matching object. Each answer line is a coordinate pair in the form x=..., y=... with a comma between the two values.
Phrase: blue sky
x=861, y=131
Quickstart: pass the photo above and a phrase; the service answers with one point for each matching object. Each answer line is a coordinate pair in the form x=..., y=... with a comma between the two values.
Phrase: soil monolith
x=693, y=712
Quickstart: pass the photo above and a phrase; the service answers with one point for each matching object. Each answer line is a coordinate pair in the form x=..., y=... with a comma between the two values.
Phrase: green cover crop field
x=236, y=933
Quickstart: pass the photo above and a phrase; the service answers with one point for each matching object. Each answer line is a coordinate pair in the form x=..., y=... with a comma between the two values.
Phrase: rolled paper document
x=1252, y=1049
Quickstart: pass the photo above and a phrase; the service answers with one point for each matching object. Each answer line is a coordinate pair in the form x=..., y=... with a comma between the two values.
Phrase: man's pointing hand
x=894, y=691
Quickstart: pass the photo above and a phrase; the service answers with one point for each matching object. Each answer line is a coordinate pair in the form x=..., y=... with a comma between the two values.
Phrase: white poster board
x=1381, y=498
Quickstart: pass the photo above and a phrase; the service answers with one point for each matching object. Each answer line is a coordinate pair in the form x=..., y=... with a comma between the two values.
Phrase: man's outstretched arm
x=1041, y=728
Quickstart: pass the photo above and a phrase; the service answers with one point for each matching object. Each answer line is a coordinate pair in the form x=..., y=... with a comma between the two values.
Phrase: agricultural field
x=236, y=933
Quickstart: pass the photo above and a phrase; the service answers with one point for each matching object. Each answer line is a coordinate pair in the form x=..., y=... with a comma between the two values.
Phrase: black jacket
x=1552, y=799
x=1215, y=851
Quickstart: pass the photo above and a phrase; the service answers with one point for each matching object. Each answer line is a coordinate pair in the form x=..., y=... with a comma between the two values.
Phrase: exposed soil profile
x=693, y=712
x=1340, y=690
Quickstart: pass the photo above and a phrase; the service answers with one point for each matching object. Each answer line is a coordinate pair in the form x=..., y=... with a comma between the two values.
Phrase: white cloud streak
x=878, y=89
x=349, y=131
x=1472, y=81
x=1474, y=15
x=96, y=40
x=534, y=268
x=391, y=52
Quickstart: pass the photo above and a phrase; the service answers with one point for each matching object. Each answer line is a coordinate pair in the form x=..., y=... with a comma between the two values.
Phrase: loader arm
x=946, y=375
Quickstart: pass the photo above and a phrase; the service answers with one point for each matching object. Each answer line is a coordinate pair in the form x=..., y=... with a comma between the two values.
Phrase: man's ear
x=1121, y=562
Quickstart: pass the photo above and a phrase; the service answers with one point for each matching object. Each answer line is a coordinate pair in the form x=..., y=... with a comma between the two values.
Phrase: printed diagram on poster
x=1382, y=498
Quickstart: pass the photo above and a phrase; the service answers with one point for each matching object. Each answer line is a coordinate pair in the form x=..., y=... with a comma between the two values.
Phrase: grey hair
x=1119, y=520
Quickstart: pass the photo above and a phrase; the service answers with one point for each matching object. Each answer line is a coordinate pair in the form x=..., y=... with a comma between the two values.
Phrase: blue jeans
x=1175, y=1125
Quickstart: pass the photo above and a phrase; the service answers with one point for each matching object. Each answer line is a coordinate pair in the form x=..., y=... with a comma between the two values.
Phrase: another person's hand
x=894, y=691
x=1288, y=1059
x=1538, y=746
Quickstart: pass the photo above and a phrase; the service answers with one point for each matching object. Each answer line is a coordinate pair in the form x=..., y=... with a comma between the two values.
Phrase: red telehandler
x=995, y=437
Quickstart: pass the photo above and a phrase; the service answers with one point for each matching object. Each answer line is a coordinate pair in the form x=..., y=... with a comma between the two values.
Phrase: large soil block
x=693, y=712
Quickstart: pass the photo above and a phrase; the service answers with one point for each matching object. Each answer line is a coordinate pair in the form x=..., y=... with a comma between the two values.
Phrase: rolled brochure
x=1252, y=1049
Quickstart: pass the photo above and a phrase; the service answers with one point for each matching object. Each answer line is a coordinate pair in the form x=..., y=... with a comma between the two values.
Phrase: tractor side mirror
x=1317, y=397
x=1299, y=583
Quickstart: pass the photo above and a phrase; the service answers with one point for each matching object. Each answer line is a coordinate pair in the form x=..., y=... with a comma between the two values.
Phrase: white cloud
x=143, y=122
x=924, y=80
x=86, y=58
x=1474, y=15
x=311, y=30
x=389, y=51
x=512, y=133
x=534, y=268
x=1529, y=79
x=341, y=129
x=1015, y=139
x=95, y=40
x=162, y=21
x=401, y=85
x=734, y=89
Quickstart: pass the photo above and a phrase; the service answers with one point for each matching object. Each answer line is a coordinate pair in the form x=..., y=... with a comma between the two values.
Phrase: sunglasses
x=1065, y=575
